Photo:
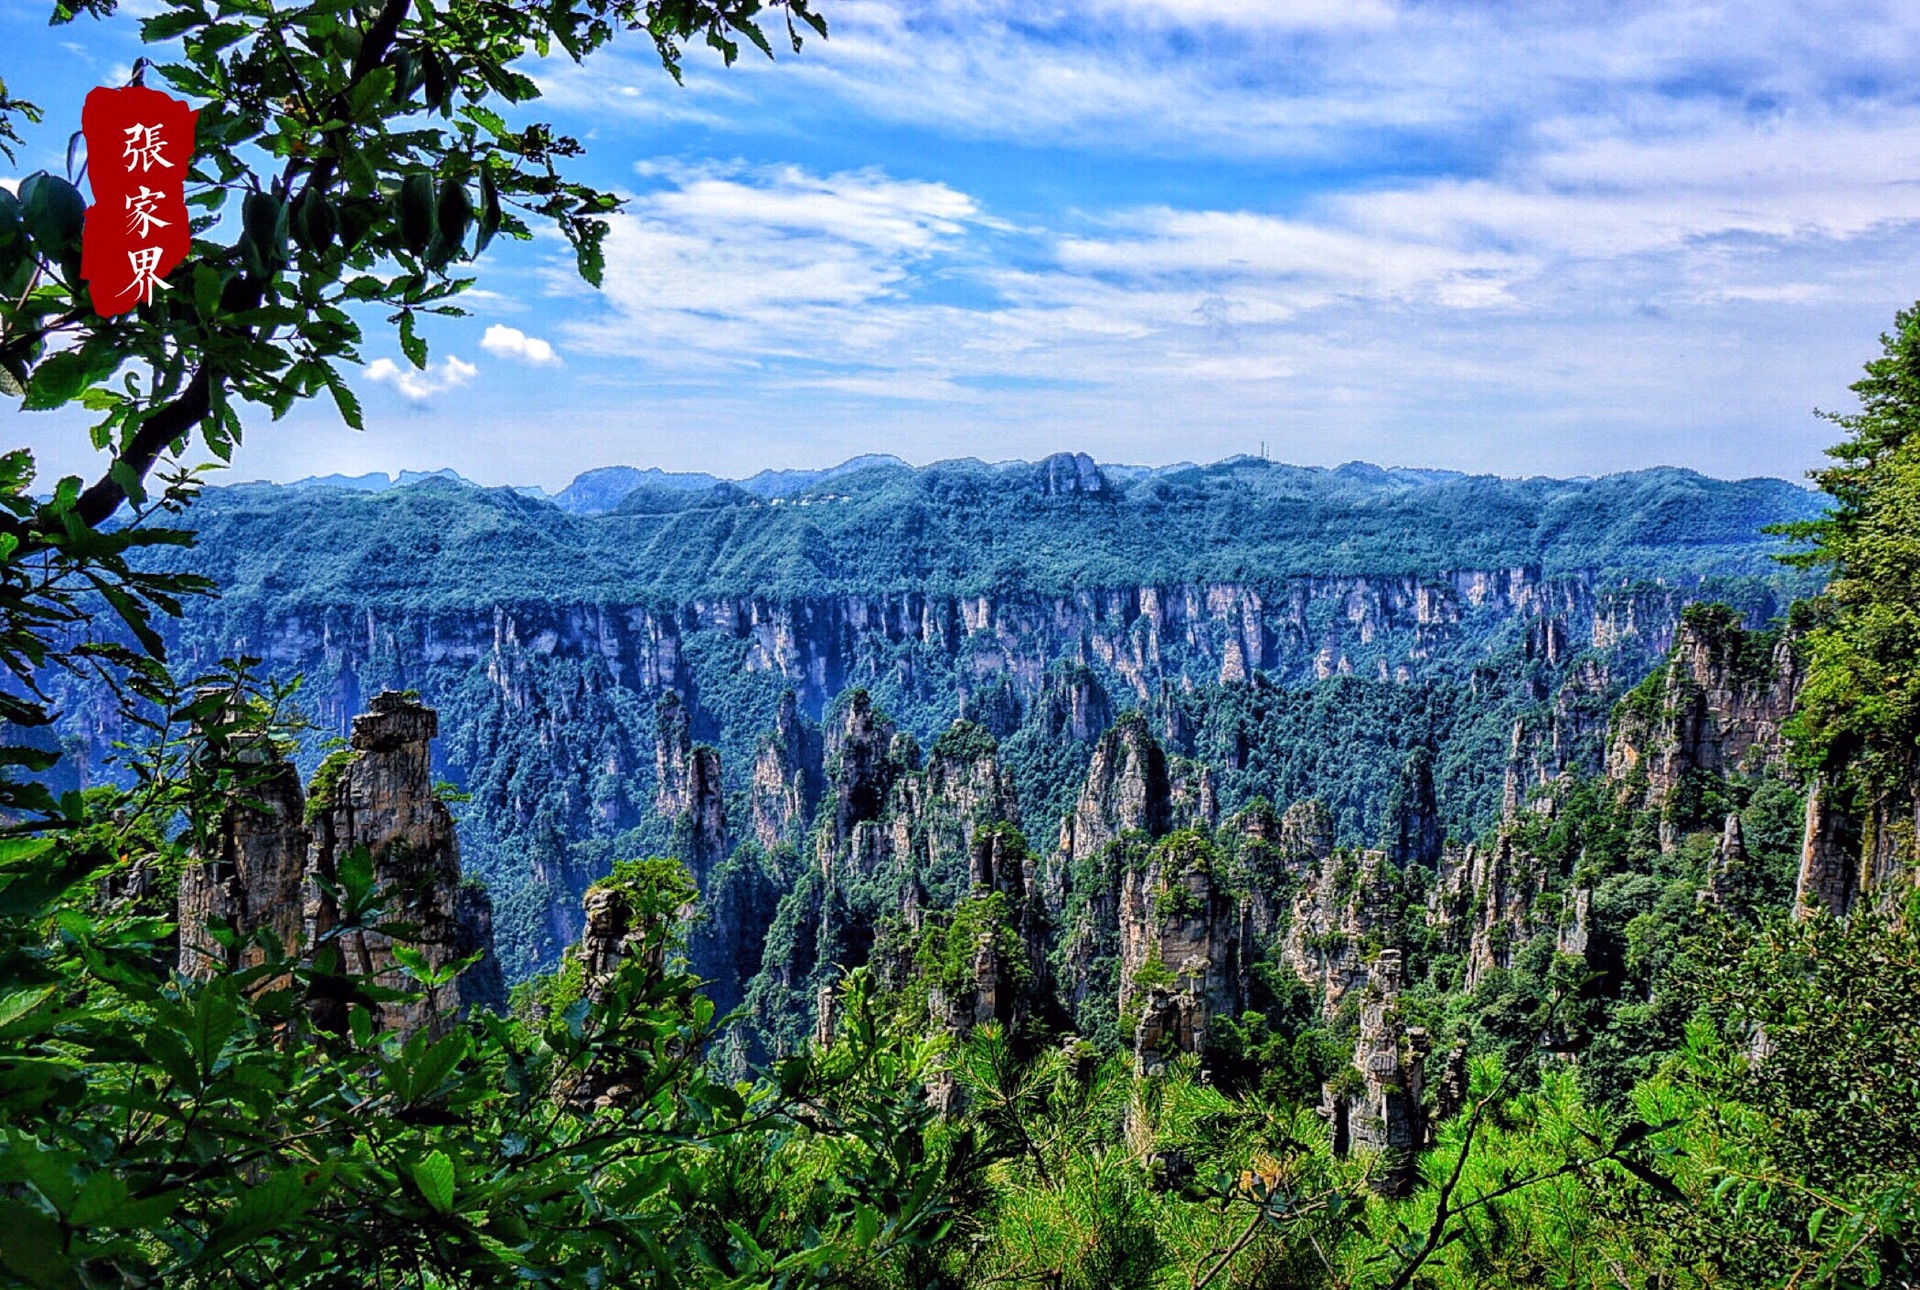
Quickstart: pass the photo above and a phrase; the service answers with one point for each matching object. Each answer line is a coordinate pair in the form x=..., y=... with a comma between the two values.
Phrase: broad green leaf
x=434, y=1176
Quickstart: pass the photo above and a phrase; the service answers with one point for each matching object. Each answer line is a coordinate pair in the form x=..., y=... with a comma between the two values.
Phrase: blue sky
x=1526, y=238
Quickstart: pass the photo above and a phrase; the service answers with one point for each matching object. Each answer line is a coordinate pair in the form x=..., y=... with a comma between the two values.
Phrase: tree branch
x=160, y=429
x=168, y=424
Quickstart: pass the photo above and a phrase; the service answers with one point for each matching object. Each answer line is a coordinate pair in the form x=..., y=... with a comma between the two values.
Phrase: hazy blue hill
x=594, y=491
x=785, y=483
x=969, y=527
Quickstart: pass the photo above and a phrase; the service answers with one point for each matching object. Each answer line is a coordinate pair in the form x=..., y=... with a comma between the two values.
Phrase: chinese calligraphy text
x=139, y=142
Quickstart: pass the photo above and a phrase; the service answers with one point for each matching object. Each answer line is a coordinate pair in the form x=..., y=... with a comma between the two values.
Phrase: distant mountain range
x=602, y=489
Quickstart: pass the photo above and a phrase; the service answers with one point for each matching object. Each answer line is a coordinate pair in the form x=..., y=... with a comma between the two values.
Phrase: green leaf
x=13, y=229
x=53, y=212
x=261, y=216
x=266, y=1206
x=58, y=380
x=411, y=344
x=315, y=223
x=416, y=201
x=19, y=1003
x=345, y=399
x=216, y=1017
x=34, y=1248
x=100, y=1197
x=434, y=1176
x=489, y=211
x=453, y=214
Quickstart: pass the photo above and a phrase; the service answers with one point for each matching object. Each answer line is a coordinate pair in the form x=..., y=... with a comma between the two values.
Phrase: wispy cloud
x=735, y=267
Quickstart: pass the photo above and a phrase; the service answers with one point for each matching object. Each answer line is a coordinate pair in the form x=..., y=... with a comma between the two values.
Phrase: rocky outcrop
x=1127, y=790
x=787, y=777
x=256, y=879
x=1306, y=835
x=1718, y=706
x=1830, y=854
x=1071, y=474
x=860, y=771
x=688, y=790
x=1004, y=980
x=1486, y=902
x=728, y=939
x=1729, y=872
x=1179, y=949
x=286, y=857
x=1072, y=704
x=380, y=796
x=1414, y=833
x=1349, y=909
x=895, y=844
x=1375, y=1105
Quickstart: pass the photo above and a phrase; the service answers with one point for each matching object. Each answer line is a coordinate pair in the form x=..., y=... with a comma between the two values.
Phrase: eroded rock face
x=1306, y=835
x=1179, y=950
x=256, y=880
x=860, y=772
x=1857, y=848
x=1076, y=705
x=1381, y=1111
x=895, y=838
x=1727, y=872
x=1414, y=831
x=1720, y=708
x=1127, y=789
x=1069, y=473
x=787, y=777
x=999, y=991
x=1829, y=856
x=381, y=797
x=281, y=851
x=689, y=790
x=1486, y=904
x=1348, y=908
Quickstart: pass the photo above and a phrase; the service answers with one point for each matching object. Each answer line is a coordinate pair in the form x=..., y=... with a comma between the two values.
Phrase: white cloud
x=511, y=342
x=736, y=266
x=416, y=385
x=1440, y=218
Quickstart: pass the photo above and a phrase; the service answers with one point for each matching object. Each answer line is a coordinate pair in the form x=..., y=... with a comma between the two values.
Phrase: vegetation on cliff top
x=964, y=528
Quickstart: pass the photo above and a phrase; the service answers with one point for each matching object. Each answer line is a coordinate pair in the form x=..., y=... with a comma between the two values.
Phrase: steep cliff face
x=1568, y=737
x=1485, y=903
x=1414, y=832
x=1127, y=790
x=1071, y=473
x=1717, y=707
x=1350, y=908
x=895, y=836
x=689, y=791
x=280, y=868
x=380, y=796
x=788, y=774
x=1377, y=1105
x=1180, y=951
x=551, y=720
x=256, y=880
x=1299, y=629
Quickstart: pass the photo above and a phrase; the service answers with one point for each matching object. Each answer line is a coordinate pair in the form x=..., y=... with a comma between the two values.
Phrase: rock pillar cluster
x=280, y=859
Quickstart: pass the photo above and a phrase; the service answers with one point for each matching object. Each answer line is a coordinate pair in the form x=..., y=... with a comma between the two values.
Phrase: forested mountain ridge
x=964, y=528
x=1299, y=631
